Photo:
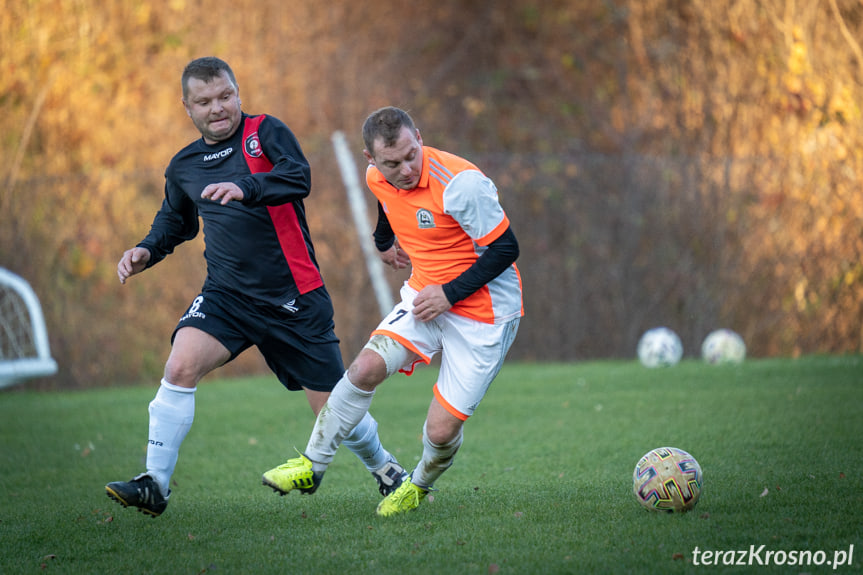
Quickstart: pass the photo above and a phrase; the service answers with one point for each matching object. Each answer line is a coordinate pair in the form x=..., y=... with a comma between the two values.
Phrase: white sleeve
x=471, y=198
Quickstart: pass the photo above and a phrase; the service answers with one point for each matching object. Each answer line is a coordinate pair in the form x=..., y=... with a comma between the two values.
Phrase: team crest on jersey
x=253, y=146
x=425, y=219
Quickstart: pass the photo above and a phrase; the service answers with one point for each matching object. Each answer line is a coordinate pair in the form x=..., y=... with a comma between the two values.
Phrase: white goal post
x=364, y=231
x=24, y=349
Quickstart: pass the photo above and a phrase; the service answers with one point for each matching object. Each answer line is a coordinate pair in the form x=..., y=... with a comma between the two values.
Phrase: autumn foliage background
x=695, y=164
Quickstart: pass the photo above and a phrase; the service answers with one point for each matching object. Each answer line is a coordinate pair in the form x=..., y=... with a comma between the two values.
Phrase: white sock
x=365, y=444
x=171, y=414
x=345, y=408
x=436, y=459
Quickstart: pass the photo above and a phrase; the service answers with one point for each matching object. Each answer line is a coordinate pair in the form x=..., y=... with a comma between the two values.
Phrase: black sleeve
x=501, y=254
x=289, y=180
x=384, y=236
x=175, y=222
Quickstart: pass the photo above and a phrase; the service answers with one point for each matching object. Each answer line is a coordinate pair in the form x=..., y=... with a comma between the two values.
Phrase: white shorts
x=472, y=352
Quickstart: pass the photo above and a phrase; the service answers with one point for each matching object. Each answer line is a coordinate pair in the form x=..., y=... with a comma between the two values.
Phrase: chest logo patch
x=425, y=219
x=253, y=146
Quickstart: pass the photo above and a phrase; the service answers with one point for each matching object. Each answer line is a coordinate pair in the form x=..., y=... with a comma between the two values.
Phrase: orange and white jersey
x=445, y=224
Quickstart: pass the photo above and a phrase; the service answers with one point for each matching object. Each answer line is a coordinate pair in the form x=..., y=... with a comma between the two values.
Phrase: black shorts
x=297, y=341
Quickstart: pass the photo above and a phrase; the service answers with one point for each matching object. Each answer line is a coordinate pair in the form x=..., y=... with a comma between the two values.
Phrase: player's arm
x=174, y=223
x=471, y=198
x=388, y=244
x=500, y=255
x=291, y=177
x=384, y=234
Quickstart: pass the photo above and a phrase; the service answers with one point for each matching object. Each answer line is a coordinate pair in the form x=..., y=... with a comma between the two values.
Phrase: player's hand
x=430, y=303
x=395, y=257
x=133, y=261
x=223, y=193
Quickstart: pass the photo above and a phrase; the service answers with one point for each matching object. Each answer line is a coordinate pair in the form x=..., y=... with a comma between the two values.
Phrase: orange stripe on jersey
x=495, y=233
x=446, y=405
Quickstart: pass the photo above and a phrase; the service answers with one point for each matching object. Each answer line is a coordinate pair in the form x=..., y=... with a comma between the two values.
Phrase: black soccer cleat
x=142, y=492
x=389, y=477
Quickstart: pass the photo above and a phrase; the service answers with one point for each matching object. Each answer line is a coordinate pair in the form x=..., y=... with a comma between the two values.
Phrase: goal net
x=24, y=349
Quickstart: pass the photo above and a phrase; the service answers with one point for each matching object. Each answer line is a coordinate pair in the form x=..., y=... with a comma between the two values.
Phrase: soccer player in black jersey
x=246, y=178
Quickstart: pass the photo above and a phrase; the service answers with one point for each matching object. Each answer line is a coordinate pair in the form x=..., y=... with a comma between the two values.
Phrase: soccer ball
x=667, y=479
x=659, y=347
x=723, y=346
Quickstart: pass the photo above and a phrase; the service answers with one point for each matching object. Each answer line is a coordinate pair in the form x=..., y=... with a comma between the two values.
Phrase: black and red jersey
x=260, y=247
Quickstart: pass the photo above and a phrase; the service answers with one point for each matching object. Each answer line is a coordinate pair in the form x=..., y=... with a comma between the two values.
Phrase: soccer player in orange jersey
x=439, y=214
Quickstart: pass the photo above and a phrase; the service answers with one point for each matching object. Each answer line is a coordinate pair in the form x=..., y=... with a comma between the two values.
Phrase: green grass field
x=541, y=485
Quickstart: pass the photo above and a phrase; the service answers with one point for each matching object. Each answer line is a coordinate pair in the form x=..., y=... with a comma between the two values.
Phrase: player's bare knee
x=367, y=370
x=443, y=436
x=180, y=373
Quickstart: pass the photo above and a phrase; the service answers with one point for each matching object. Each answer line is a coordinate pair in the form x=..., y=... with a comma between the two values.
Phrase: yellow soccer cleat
x=293, y=474
x=405, y=498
